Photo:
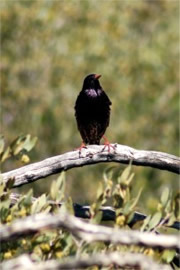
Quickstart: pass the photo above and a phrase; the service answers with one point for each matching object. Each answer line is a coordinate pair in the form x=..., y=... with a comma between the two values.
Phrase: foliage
x=17, y=149
x=47, y=49
x=115, y=189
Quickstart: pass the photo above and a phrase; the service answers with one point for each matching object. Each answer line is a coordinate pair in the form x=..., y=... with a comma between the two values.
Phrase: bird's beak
x=97, y=76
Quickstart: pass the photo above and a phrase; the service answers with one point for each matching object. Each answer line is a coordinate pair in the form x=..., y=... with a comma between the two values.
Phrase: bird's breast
x=92, y=93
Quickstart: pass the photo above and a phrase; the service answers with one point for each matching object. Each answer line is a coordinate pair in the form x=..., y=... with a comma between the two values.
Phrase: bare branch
x=108, y=212
x=123, y=260
x=93, y=154
x=86, y=231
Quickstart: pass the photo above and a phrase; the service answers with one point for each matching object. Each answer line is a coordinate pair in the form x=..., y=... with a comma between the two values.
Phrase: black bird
x=92, y=111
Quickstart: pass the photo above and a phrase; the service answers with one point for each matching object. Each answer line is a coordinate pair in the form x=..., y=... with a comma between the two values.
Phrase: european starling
x=92, y=111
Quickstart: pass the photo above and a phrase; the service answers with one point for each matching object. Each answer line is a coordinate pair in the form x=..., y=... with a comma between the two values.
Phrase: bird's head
x=92, y=82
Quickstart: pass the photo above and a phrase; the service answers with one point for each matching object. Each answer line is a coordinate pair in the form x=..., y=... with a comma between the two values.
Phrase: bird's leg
x=81, y=146
x=108, y=145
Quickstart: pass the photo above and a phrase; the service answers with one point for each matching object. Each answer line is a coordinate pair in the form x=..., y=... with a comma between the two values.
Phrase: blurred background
x=48, y=47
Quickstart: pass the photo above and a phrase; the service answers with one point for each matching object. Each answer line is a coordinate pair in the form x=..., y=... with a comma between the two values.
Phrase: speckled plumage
x=92, y=110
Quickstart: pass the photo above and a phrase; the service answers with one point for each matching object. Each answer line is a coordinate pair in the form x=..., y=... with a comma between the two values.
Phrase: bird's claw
x=109, y=146
x=80, y=148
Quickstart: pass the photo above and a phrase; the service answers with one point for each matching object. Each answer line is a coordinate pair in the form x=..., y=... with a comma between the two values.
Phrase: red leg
x=81, y=147
x=107, y=144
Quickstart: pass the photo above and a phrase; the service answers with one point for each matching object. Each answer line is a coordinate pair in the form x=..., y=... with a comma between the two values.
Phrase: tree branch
x=86, y=231
x=120, y=259
x=93, y=154
x=108, y=212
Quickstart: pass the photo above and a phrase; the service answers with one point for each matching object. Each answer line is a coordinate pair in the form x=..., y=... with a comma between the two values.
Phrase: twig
x=108, y=213
x=93, y=154
x=119, y=259
x=86, y=231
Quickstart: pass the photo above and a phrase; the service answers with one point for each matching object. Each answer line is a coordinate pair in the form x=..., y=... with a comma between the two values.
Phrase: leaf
x=94, y=209
x=171, y=220
x=17, y=144
x=4, y=211
x=128, y=181
x=97, y=218
x=2, y=143
x=126, y=176
x=58, y=188
x=168, y=255
x=2, y=187
x=177, y=205
x=108, y=173
x=69, y=206
x=23, y=142
x=155, y=220
x=5, y=204
x=47, y=209
x=135, y=201
x=127, y=208
x=100, y=192
x=130, y=218
x=130, y=204
x=165, y=196
x=29, y=143
x=6, y=154
x=39, y=204
x=145, y=223
x=28, y=198
x=117, y=201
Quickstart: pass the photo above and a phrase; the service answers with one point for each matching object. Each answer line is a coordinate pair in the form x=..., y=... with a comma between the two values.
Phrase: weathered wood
x=91, y=155
x=86, y=231
x=121, y=259
x=108, y=212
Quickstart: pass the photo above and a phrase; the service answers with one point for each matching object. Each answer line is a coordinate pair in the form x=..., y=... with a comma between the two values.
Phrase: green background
x=48, y=47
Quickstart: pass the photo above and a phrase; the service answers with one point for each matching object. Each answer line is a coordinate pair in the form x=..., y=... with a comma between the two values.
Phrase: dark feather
x=92, y=111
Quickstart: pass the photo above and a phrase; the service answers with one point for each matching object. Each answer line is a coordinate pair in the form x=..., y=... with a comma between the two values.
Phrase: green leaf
x=39, y=204
x=100, y=192
x=23, y=142
x=2, y=143
x=165, y=196
x=108, y=173
x=171, y=220
x=29, y=143
x=130, y=204
x=4, y=211
x=69, y=206
x=126, y=176
x=17, y=144
x=145, y=223
x=5, y=204
x=94, y=209
x=58, y=188
x=177, y=205
x=2, y=187
x=168, y=255
x=127, y=208
x=97, y=218
x=135, y=201
x=155, y=220
x=130, y=217
x=47, y=209
x=28, y=198
x=6, y=154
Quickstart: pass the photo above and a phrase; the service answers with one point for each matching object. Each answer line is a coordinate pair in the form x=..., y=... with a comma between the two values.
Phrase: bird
x=92, y=112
